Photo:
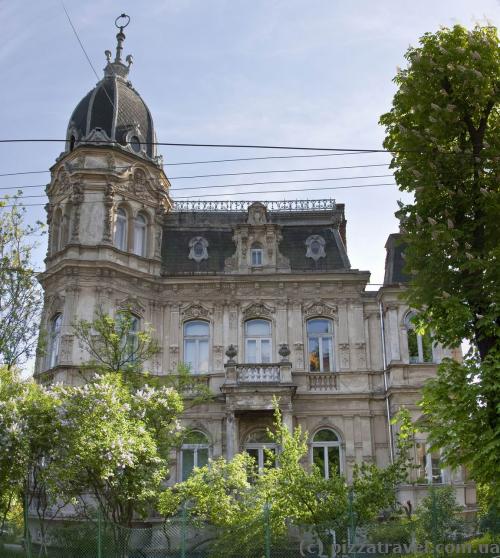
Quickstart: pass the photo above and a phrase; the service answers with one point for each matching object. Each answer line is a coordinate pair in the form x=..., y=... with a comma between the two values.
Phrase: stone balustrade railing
x=258, y=373
x=322, y=382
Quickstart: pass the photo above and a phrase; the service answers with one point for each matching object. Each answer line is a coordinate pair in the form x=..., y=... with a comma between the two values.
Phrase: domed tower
x=107, y=198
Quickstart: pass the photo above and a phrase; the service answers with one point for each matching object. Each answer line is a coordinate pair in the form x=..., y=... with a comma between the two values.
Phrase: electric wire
x=244, y=146
x=216, y=161
x=197, y=187
x=351, y=186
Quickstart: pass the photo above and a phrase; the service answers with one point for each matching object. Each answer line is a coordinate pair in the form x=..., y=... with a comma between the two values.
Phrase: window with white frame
x=121, y=225
x=194, y=453
x=196, y=346
x=258, y=341
x=262, y=448
x=256, y=255
x=428, y=464
x=140, y=235
x=419, y=346
x=320, y=345
x=325, y=448
x=54, y=340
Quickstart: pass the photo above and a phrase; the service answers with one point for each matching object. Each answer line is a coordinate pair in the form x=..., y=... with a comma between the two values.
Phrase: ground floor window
x=194, y=453
x=428, y=465
x=262, y=449
x=326, y=452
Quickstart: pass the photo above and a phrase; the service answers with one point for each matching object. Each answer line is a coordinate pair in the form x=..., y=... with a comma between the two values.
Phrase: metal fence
x=434, y=535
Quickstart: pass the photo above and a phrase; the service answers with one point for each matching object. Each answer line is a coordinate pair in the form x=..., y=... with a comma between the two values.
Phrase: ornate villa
x=257, y=298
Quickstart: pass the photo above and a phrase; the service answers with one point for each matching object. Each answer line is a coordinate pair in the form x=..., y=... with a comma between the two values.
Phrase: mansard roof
x=296, y=222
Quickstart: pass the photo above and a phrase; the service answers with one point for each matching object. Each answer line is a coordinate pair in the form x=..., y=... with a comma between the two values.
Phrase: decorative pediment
x=133, y=304
x=320, y=309
x=257, y=214
x=195, y=310
x=96, y=136
x=258, y=310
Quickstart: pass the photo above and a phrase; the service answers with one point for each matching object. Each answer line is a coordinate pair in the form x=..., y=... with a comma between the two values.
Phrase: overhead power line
x=26, y=186
x=218, y=161
x=214, y=186
x=244, y=146
x=245, y=193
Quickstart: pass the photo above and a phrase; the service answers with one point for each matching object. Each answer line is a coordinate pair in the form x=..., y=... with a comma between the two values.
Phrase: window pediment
x=195, y=310
x=258, y=310
x=320, y=309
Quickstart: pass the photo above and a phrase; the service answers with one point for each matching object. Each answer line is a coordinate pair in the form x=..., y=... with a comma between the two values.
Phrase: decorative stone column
x=231, y=440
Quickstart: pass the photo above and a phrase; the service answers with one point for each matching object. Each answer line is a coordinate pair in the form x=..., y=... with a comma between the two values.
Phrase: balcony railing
x=258, y=374
x=322, y=382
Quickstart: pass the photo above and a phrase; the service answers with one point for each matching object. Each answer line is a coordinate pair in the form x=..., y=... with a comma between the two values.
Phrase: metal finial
x=124, y=17
x=120, y=36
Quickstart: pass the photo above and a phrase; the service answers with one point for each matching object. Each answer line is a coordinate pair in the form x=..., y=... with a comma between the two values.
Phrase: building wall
x=85, y=271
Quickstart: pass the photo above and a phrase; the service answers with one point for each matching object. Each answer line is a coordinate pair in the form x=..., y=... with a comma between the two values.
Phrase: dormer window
x=256, y=255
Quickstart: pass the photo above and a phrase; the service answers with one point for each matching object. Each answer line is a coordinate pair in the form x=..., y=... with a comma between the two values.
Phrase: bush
x=393, y=532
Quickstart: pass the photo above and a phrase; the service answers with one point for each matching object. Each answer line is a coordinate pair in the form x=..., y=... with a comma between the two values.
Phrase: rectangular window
x=187, y=462
x=327, y=352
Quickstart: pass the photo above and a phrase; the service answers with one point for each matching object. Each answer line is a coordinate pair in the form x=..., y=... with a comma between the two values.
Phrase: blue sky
x=273, y=72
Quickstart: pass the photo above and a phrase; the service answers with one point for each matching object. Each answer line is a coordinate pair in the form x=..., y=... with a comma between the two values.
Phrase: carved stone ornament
x=257, y=214
x=257, y=310
x=315, y=247
x=53, y=305
x=107, y=232
x=195, y=310
x=133, y=304
x=198, y=249
x=284, y=352
x=77, y=199
x=320, y=309
x=231, y=353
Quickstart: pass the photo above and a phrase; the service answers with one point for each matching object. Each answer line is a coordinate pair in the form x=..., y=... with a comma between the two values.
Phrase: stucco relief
x=133, y=304
x=107, y=231
x=320, y=309
x=195, y=310
x=345, y=356
x=258, y=310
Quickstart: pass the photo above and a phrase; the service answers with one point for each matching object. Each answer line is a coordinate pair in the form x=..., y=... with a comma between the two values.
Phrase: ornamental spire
x=117, y=67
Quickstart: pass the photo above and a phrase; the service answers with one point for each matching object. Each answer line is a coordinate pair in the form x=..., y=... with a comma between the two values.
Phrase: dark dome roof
x=113, y=112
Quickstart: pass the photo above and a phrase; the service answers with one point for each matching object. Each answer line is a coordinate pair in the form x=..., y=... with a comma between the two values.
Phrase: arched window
x=419, y=346
x=262, y=448
x=320, y=345
x=196, y=346
x=54, y=340
x=194, y=453
x=121, y=229
x=326, y=452
x=258, y=341
x=140, y=235
x=256, y=255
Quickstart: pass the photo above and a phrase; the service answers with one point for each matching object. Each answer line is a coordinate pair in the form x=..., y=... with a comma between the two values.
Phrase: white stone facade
x=351, y=397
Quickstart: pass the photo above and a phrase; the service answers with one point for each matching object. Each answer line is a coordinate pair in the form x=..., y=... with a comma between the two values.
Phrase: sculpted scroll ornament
x=198, y=249
x=195, y=310
x=320, y=309
x=315, y=245
x=108, y=213
x=257, y=310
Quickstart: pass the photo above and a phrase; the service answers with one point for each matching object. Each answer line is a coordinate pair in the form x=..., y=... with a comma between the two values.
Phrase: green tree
x=233, y=498
x=438, y=517
x=20, y=294
x=443, y=130
x=114, y=344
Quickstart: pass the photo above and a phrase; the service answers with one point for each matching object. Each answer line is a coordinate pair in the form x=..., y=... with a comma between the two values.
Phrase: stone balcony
x=254, y=385
x=262, y=374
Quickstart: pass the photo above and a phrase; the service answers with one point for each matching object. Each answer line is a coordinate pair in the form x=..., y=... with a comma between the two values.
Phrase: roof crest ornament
x=117, y=67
